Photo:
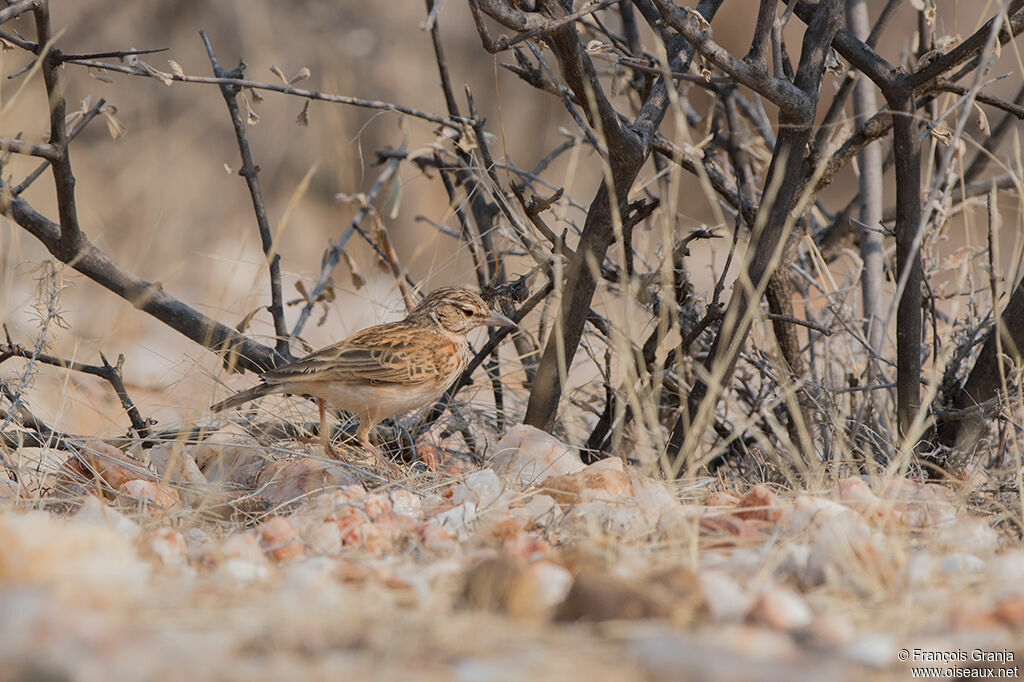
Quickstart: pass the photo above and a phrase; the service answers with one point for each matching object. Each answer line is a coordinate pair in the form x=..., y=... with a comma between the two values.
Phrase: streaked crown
x=454, y=309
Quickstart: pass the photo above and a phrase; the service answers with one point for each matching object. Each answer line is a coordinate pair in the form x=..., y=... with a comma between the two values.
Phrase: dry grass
x=102, y=582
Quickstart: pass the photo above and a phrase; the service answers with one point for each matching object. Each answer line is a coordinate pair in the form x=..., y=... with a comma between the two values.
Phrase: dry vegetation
x=761, y=418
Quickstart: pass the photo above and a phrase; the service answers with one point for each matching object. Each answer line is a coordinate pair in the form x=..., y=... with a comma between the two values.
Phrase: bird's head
x=457, y=310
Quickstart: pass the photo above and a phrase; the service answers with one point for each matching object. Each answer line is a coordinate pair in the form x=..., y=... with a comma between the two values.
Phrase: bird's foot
x=390, y=466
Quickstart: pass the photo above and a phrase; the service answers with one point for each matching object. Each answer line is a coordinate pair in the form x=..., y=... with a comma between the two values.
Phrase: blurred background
x=166, y=202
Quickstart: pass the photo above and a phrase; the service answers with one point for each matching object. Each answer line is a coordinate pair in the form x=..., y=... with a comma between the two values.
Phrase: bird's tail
x=242, y=397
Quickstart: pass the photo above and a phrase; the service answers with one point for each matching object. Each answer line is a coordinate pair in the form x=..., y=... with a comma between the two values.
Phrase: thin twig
x=272, y=87
x=250, y=171
x=333, y=253
x=109, y=373
x=72, y=134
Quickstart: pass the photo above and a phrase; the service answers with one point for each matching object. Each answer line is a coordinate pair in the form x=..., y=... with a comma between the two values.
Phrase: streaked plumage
x=387, y=369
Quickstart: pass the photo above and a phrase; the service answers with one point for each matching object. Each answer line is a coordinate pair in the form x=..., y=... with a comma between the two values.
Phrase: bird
x=387, y=369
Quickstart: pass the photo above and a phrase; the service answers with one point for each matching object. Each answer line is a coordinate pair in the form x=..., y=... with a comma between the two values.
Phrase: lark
x=385, y=370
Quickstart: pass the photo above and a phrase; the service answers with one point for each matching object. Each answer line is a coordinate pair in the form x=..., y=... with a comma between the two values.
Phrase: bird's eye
x=468, y=312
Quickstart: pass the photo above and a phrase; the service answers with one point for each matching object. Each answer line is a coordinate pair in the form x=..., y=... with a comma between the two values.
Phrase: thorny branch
x=762, y=176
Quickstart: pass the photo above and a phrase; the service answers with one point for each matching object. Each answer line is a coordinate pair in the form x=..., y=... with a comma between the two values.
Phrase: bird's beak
x=499, y=320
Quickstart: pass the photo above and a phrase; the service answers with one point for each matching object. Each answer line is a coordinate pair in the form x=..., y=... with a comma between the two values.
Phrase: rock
x=597, y=595
x=10, y=491
x=730, y=530
x=483, y=489
x=753, y=642
x=794, y=561
x=458, y=520
x=539, y=509
x=91, y=557
x=149, y=492
x=1010, y=612
x=607, y=464
x=176, y=465
x=873, y=649
x=921, y=505
x=921, y=568
x=552, y=582
x=433, y=504
x=112, y=466
x=781, y=608
x=281, y=483
x=527, y=455
x=235, y=571
x=1008, y=567
x=243, y=547
x=844, y=552
x=725, y=599
x=278, y=538
x=436, y=539
x=762, y=504
x=589, y=517
x=503, y=584
x=338, y=504
x=236, y=460
x=94, y=512
x=653, y=498
x=961, y=562
x=376, y=505
x=626, y=519
x=855, y=494
x=833, y=630
x=588, y=485
x=972, y=534
x=681, y=523
x=722, y=498
x=406, y=503
x=200, y=545
x=323, y=539
x=169, y=546
x=359, y=533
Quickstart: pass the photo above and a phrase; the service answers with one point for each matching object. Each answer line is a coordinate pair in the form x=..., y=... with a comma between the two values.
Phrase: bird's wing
x=392, y=353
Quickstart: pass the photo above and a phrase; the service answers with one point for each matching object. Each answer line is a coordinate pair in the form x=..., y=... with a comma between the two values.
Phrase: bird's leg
x=363, y=436
x=325, y=434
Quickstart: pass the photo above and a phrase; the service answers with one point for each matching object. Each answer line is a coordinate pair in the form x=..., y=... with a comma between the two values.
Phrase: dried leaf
x=251, y=117
x=358, y=281
x=164, y=78
x=244, y=323
x=699, y=18
x=359, y=198
x=942, y=134
x=947, y=42
x=602, y=51
x=5, y=46
x=394, y=199
x=77, y=114
x=301, y=75
x=303, y=118
x=832, y=63
x=983, y=126
x=227, y=169
x=115, y=127
x=277, y=72
x=100, y=76
x=327, y=294
x=176, y=68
